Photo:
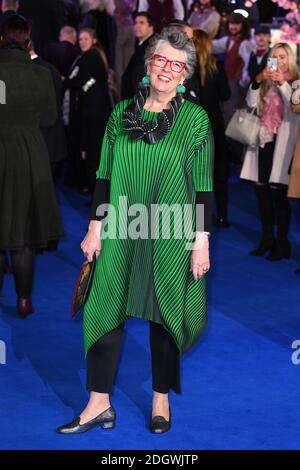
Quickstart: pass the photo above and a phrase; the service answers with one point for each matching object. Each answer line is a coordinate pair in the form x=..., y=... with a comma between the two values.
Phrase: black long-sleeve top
x=90, y=66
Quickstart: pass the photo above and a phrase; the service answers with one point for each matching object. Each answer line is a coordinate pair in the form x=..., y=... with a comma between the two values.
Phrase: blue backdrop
x=240, y=387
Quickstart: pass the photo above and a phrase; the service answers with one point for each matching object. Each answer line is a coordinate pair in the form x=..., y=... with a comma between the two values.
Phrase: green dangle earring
x=180, y=89
x=146, y=80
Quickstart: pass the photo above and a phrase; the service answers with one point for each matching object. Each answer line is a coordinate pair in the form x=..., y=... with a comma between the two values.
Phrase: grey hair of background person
x=177, y=38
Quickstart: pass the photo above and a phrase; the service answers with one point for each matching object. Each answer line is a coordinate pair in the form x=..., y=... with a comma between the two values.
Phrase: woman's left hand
x=200, y=263
x=278, y=78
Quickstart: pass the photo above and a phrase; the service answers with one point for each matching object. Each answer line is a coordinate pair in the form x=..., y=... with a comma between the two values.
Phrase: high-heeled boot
x=281, y=247
x=24, y=307
x=266, y=214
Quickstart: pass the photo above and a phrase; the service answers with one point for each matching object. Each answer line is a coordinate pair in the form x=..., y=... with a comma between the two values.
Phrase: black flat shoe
x=297, y=271
x=159, y=424
x=106, y=419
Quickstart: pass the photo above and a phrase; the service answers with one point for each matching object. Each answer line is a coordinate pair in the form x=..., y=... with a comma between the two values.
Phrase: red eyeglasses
x=161, y=61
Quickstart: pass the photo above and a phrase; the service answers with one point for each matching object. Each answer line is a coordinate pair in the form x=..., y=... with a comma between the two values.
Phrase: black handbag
x=83, y=285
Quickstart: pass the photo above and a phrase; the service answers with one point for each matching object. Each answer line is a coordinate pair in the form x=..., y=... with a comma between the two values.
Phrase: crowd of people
x=70, y=74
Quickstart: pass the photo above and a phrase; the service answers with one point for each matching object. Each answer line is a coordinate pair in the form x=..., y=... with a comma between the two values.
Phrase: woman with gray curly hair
x=157, y=153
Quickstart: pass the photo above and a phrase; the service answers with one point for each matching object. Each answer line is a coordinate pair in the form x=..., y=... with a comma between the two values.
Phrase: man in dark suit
x=258, y=58
x=47, y=17
x=62, y=54
x=144, y=30
x=8, y=8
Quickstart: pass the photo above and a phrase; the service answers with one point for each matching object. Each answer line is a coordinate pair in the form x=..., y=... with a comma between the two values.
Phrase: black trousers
x=103, y=358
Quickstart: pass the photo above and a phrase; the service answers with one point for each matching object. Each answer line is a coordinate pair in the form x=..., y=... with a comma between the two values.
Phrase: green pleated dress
x=146, y=277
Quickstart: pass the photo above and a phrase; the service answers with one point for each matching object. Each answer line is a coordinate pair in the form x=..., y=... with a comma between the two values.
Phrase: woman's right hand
x=265, y=74
x=92, y=242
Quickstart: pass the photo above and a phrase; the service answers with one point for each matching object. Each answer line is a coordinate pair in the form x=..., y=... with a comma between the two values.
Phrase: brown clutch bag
x=83, y=285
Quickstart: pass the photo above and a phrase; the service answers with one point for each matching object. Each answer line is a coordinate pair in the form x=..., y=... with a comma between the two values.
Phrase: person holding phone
x=268, y=163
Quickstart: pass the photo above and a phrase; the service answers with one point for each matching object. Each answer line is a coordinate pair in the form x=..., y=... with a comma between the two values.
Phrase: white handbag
x=244, y=127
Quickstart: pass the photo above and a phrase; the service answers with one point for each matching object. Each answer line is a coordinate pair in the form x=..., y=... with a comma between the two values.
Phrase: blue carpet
x=240, y=387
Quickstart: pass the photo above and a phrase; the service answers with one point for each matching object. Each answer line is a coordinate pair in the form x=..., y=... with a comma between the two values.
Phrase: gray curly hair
x=176, y=37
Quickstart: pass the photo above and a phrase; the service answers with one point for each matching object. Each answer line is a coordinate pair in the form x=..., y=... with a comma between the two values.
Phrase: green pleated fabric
x=149, y=277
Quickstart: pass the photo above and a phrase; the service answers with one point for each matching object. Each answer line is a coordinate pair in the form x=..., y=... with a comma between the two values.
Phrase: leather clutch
x=83, y=285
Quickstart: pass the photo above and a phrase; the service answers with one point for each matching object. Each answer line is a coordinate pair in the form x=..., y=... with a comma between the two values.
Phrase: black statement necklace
x=149, y=131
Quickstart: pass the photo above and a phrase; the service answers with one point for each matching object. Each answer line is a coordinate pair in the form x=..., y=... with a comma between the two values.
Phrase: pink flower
x=285, y=28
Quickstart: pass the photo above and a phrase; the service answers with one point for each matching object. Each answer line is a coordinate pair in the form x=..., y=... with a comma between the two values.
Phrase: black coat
x=214, y=91
x=55, y=135
x=90, y=107
x=210, y=96
x=28, y=210
x=134, y=72
x=95, y=101
x=62, y=55
x=47, y=17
